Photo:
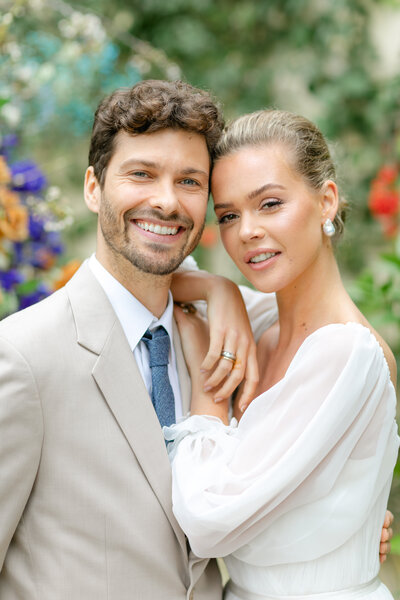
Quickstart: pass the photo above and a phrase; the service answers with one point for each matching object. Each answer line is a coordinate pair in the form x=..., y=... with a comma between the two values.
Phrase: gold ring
x=228, y=356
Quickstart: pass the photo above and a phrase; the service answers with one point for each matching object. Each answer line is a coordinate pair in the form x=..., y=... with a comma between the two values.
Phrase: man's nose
x=165, y=198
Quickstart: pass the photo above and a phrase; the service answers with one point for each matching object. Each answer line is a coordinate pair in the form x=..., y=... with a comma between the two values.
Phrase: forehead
x=253, y=165
x=164, y=147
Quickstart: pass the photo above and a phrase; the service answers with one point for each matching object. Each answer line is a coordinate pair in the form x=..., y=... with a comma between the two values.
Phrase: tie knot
x=158, y=346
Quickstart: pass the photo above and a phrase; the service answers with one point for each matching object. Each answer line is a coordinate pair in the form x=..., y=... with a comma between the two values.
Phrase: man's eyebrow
x=264, y=188
x=193, y=171
x=137, y=161
x=131, y=162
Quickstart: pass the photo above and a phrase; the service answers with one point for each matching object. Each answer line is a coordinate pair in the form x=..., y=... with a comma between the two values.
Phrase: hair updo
x=312, y=158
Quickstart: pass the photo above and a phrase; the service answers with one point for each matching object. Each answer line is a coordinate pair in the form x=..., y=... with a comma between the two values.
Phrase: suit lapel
x=184, y=378
x=121, y=384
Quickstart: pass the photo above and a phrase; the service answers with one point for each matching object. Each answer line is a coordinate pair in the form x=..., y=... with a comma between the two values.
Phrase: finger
x=251, y=379
x=231, y=382
x=218, y=376
x=224, y=366
x=389, y=518
x=384, y=548
x=179, y=315
x=213, y=355
x=382, y=558
x=386, y=534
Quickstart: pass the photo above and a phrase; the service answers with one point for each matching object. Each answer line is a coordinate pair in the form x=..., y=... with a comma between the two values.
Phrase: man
x=85, y=492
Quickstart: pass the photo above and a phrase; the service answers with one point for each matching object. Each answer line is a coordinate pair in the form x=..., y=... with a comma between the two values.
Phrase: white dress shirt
x=135, y=319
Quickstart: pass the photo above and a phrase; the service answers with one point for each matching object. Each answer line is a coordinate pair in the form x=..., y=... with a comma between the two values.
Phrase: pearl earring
x=328, y=228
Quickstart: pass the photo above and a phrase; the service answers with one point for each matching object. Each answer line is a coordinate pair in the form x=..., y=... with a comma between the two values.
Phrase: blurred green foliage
x=318, y=58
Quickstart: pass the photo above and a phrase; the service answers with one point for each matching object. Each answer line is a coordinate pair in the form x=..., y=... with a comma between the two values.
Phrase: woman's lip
x=252, y=253
x=264, y=264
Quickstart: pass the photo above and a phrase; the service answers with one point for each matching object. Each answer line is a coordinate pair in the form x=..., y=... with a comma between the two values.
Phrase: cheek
x=229, y=240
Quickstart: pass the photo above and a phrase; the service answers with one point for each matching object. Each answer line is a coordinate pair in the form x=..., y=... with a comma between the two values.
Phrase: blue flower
x=8, y=279
x=41, y=292
x=27, y=177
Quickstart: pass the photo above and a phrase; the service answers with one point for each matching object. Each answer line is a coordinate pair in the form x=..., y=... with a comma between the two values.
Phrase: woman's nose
x=250, y=228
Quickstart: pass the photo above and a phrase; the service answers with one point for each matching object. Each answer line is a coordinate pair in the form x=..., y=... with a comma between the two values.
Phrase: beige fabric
x=85, y=490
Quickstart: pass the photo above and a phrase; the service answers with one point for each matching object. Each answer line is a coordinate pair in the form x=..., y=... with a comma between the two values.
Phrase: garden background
x=337, y=63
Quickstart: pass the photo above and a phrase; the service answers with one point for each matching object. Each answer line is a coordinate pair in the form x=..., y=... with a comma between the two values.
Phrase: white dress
x=294, y=496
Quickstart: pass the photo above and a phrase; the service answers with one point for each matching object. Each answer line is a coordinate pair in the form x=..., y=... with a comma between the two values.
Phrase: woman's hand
x=386, y=536
x=193, y=331
x=230, y=331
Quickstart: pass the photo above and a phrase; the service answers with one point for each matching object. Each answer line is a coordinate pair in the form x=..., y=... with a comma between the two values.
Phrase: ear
x=92, y=191
x=329, y=201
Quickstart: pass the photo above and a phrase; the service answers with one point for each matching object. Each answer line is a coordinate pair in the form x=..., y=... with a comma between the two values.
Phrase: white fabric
x=135, y=319
x=294, y=496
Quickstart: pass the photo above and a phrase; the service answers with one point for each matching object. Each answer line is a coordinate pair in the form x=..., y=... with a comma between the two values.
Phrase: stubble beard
x=122, y=245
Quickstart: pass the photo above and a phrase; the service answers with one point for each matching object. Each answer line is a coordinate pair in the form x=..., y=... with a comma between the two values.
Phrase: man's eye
x=140, y=174
x=189, y=181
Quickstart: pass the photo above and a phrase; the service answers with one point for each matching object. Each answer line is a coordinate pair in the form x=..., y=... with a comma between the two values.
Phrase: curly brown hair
x=150, y=106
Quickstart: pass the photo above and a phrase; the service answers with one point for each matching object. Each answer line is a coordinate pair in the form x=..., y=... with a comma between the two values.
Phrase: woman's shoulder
x=388, y=354
x=333, y=339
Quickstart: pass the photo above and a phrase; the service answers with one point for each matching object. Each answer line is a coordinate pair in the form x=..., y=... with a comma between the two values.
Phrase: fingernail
x=242, y=407
x=207, y=388
x=203, y=370
x=216, y=400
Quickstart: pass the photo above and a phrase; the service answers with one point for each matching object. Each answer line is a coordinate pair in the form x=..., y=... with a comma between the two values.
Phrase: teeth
x=261, y=257
x=160, y=230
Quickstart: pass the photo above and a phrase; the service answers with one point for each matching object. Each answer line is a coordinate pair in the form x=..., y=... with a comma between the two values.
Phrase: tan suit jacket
x=85, y=487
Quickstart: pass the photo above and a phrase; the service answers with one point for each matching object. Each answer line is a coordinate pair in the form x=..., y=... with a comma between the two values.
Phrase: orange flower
x=209, y=237
x=5, y=175
x=13, y=217
x=66, y=273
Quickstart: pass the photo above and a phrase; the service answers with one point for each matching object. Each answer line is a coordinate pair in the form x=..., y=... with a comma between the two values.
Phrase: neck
x=151, y=290
x=313, y=300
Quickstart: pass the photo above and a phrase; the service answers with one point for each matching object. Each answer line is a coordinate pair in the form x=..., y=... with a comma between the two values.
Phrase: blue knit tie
x=162, y=395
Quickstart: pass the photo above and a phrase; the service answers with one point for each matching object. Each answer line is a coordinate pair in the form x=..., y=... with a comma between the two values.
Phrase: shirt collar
x=134, y=317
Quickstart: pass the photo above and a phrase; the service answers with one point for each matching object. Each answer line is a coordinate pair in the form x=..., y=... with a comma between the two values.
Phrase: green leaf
x=392, y=258
x=395, y=545
x=27, y=287
x=8, y=304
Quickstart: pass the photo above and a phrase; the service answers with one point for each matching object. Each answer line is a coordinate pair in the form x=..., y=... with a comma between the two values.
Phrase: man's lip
x=249, y=255
x=171, y=224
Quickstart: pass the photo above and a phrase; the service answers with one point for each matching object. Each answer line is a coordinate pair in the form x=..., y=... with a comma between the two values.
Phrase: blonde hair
x=312, y=158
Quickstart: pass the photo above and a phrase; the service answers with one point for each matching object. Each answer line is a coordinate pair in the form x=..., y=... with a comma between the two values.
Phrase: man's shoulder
x=39, y=317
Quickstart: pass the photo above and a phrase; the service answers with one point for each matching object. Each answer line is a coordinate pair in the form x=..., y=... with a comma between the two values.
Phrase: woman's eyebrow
x=264, y=188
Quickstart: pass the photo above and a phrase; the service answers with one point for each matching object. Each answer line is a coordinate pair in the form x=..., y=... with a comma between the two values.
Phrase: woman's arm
x=230, y=331
x=195, y=342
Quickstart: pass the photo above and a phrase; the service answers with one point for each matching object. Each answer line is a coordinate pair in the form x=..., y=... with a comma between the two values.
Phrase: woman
x=293, y=496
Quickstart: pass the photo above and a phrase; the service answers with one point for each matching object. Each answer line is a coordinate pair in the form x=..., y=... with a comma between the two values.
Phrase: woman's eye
x=226, y=218
x=271, y=203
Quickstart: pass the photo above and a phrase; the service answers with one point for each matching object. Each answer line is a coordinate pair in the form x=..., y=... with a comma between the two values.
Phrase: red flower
x=383, y=201
x=388, y=174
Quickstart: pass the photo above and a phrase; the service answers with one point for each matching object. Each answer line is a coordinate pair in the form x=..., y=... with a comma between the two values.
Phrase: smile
x=158, y=229
x=261, y=257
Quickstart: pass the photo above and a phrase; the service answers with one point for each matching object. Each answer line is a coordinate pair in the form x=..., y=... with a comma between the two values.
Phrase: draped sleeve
x=319, y=443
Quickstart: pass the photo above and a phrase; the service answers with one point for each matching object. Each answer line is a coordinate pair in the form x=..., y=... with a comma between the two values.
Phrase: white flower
x=11, y=114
